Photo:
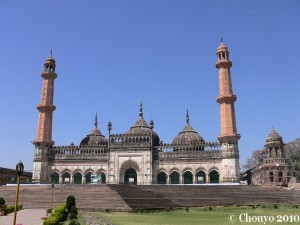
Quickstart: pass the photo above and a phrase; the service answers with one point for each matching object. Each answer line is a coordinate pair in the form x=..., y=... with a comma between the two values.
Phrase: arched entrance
x=88, y=178
x=174, y=178
x=102, y=178
x=201, y=177
x=161, y=178
x=130, y=176
x=214, y=177
x=78, y=178
x=66, y=178
x=55, y=178
x=187, y=177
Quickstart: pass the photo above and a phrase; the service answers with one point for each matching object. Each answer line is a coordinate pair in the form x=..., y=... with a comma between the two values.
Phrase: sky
x=112, y=55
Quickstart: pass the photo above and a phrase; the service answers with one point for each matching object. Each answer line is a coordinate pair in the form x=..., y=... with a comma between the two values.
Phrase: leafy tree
x=255, y=159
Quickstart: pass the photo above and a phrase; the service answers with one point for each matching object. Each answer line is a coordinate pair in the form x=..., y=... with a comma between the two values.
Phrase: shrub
x=74, y=222
x=70, y=202
x=9, y=209
x=275, y=206
x=72, y=216
x=60, y=208
x=107, y=210
x=187, y=209
x=52, y=220
x=210, y=208
x=74, y=210
x=2, y=201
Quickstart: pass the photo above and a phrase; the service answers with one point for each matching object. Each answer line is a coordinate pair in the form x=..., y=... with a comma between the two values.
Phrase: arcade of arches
x=130, y=177
x=78, y=178
x=188, y=177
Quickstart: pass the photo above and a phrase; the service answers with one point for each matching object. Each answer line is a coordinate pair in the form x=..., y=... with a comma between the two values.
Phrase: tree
x=292, y=152
x=255, y=159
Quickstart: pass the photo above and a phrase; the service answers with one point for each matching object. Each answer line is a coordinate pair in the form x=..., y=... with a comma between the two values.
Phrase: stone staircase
x=162, y=196
x=126, y=197
x=88, y=197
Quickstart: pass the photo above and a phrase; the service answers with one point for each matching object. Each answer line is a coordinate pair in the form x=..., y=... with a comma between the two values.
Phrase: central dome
x=94, y=137
x=142, y=128
x=188, y=135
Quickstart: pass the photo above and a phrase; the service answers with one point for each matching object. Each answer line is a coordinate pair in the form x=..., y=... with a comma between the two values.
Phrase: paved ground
x=24, y=217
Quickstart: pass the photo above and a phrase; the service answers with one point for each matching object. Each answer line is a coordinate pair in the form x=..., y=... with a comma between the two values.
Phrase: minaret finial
x=187, y=117
x=51, y=53
x=96, y=121
x=141, y=110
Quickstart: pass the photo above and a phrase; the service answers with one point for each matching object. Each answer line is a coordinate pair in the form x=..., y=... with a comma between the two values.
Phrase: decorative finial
x=141, y=109
x=187, y=117
x=109, y=126
x=221, y=39
x=96, y=121
x=51, y=53
x=151, y=124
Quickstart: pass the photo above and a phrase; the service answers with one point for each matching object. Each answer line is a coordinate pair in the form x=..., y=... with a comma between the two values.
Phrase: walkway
x=24, y=217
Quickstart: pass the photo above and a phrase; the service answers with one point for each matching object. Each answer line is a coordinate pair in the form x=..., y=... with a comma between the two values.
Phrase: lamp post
x=19, y=169
x=52, y=186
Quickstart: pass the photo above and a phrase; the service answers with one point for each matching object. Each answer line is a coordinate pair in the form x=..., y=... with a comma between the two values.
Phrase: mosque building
x=137, y=156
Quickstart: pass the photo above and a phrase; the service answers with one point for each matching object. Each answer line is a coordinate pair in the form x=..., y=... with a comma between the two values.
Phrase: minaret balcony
x=49, y=75
x=223, y=63
x=226, y=98
x=46, y=108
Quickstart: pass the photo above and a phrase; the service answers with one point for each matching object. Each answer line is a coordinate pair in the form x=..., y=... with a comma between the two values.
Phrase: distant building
x=137, y=156
x=274, y=169
x=9, y=176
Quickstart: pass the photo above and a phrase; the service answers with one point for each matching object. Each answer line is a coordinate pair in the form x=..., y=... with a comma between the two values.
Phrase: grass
x=198, y=216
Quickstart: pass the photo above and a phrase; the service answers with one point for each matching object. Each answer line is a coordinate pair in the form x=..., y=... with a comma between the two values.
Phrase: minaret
x=46, y=107
x=226, y=98
x=43, y=138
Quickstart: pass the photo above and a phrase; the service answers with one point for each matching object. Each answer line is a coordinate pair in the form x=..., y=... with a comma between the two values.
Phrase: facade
x=137, y=156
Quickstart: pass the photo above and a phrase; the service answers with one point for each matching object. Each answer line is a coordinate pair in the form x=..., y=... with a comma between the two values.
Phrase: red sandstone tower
x=226, y=98
x=46, y=107
x=43, y=138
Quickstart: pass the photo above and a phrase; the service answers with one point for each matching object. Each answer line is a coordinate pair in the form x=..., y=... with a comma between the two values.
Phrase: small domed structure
x=188, y=136
x=273, y=137
x=142, y=128
x=94, y=137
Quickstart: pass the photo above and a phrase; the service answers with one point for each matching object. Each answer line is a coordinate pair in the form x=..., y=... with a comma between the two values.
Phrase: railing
x=75, y=152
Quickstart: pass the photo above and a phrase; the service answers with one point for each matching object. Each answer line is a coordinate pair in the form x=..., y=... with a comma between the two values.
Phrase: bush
x=52, y=220
x=74, y=222
x=275, y=206
x=107, y=210
x=2, y=201
x=72, y=216
x=61, y=209
x=210, y=208
x=74, y=210
x=70, y=202
x=187, y=209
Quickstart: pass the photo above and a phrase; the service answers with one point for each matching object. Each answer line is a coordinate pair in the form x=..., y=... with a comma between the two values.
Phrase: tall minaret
x=43, y=138
x=46, y=107
x=226, y=98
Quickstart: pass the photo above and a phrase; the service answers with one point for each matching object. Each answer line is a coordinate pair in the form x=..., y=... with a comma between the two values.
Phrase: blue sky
x=111, y=55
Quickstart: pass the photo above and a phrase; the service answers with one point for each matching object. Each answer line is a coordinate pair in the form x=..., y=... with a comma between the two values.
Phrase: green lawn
x=197, y=216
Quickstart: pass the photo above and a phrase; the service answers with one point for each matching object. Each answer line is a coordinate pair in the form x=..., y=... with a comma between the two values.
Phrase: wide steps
x=126, y=197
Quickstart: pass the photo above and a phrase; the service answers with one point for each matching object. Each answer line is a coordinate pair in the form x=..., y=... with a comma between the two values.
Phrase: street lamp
x=19, y=169
x=52, y=186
